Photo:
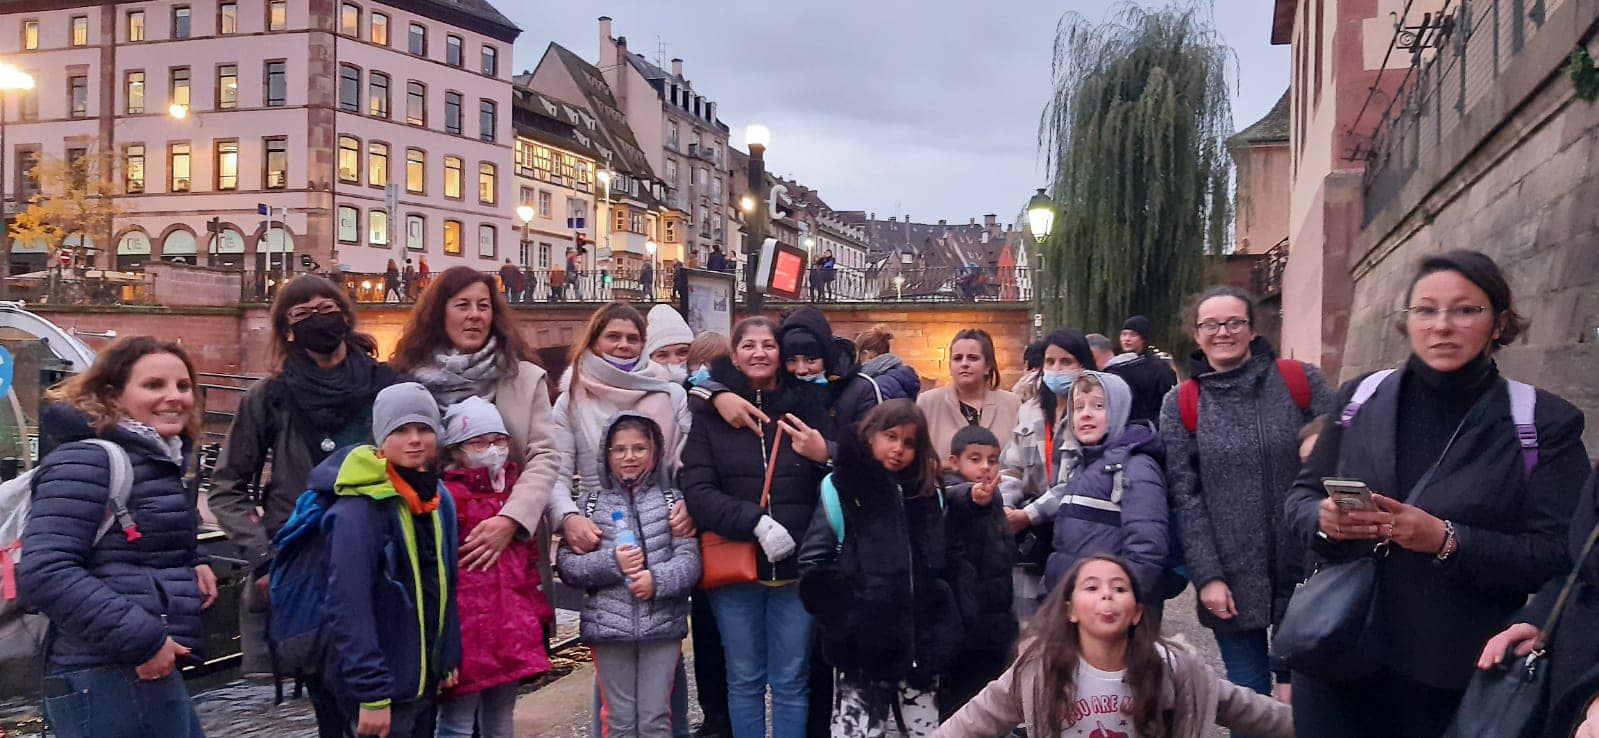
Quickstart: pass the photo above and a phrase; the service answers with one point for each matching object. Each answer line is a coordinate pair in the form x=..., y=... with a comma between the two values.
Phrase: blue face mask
x=814, y=378
x=1060, y=382
x=699, y=376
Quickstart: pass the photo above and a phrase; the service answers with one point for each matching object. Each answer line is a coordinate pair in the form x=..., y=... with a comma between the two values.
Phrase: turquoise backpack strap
x=834, y=508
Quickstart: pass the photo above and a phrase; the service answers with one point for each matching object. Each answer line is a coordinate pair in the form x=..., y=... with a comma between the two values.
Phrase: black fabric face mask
x=322, y=332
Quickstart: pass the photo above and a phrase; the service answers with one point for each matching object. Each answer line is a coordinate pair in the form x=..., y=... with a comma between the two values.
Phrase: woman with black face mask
x=320, y=400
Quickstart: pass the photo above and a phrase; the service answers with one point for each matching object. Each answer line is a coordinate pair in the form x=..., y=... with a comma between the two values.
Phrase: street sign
x=7, y=371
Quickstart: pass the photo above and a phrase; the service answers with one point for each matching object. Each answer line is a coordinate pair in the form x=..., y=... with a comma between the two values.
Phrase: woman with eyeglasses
x=319, y=400
x=1229, y=465
x=1475, y=477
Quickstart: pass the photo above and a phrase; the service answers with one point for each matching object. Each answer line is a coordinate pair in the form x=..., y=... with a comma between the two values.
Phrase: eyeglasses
x=1458, y=315
x=1211, y=327
x=301, y=312
x=484, y=443
x=623, y=452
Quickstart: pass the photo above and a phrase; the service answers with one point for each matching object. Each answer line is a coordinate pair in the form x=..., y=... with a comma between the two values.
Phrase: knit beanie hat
x=1140, y=325
x=470, y=418
x=802, y=342
x=665, y=327
x=401, y=404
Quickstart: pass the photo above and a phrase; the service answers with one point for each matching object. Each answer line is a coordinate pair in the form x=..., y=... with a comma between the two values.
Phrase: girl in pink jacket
x=503, y=610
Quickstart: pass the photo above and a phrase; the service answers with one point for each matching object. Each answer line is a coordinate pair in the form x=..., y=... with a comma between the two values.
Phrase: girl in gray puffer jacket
x=635, y=614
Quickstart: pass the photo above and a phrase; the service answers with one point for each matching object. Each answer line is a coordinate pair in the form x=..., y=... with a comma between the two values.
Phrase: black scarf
x=338, y=401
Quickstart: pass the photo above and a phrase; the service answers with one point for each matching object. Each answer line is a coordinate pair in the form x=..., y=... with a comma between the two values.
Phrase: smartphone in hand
x=1349, y=494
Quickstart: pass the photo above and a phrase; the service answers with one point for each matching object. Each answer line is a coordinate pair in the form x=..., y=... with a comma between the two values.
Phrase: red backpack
x=1293, y=374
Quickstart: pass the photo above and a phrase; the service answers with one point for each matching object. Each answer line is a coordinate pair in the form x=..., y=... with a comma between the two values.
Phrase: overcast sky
x=892, y=106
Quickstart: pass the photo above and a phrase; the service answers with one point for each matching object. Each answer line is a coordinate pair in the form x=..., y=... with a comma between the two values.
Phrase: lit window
x=135, y=93
x=452, y=237
x=453, y=177
x=378, y=95
x=30, y=35
x=349, y=224
x=227, y=87
x=377, y=227
x=349, y=20
x=178, y=92
x=178, y=165
x=227, y=18
x=349, y=159
x=135, y=25
x=487, y=183
x=380, y=32
x=80, y=30
x=415, y=171
x=228, y=165
x=416, y=228
x=277, y=15
x=277, y=163
x=377, y=165
x=133, y=169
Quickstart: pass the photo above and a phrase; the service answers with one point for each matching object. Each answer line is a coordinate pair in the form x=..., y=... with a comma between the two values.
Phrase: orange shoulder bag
x=723, y=561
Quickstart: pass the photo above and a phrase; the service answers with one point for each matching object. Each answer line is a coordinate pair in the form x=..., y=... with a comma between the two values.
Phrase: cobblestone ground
x=557, y=708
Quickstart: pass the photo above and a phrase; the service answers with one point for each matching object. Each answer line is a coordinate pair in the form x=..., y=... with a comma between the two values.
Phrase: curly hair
x=97, y=392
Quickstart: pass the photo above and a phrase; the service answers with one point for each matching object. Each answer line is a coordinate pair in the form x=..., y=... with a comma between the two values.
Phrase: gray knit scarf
x=172, y=448
x=456, y=376
x=881, y=364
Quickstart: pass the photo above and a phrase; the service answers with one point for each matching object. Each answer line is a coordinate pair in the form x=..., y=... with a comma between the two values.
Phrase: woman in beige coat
x=460, y=342
x=972, y=397
x=1091, y=664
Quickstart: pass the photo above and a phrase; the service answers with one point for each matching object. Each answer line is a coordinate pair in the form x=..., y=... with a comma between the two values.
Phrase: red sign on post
x=788, y=271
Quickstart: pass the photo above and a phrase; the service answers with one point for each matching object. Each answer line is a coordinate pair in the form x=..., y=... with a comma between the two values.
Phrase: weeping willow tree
x=1134, y=140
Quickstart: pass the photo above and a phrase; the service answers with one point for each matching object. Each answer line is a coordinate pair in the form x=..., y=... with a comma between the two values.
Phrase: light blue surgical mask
x=814, y=378
x=1060, y=382
x=699, y=376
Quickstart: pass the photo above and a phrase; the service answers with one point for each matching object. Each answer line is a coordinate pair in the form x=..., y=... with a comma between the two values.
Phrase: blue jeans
x=490, y=709
x=1247, y=658
x=766, y=634
x=113, y=702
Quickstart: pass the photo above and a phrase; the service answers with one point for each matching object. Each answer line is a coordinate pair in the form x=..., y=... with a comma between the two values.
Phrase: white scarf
x=455, y=376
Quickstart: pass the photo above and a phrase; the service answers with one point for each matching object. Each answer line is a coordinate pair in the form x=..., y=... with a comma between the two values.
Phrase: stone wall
x=1519, y=184
x=182, y=285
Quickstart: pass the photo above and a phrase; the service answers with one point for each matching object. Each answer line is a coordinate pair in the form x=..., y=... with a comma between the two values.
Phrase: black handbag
x=1329, y=631
x=1511, y=700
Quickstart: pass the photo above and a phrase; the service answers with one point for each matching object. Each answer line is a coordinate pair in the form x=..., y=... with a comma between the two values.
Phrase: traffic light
x=214, y=226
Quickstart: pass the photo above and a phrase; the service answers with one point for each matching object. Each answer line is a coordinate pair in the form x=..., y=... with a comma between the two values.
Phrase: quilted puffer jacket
x=610, y=611
x=112, y=603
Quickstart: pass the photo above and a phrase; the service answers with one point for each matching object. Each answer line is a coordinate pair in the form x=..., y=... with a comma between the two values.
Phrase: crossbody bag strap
x=1566, y=589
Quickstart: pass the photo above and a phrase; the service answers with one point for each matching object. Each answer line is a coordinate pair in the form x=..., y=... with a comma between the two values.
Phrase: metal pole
x=754, y=228
x=5, y=211
x=283, y=218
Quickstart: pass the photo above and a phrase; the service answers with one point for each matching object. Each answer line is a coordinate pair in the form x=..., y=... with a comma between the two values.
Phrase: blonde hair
x=708, y=347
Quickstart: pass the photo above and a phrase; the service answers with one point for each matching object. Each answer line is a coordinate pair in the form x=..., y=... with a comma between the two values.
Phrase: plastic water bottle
x=624, y=532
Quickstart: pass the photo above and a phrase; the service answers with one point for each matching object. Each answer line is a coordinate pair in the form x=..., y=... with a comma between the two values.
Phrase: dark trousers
x=710, y=666
x=1387, y=705
x=414, y=719
x=970, y=672
x=819, y=722
x=113, y=702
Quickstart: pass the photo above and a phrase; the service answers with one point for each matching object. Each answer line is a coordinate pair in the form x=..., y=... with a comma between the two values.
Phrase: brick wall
x=1520, y=185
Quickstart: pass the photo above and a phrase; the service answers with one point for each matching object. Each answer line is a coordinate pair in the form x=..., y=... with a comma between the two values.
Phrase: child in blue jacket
x=396, y=636
x=1114, y=501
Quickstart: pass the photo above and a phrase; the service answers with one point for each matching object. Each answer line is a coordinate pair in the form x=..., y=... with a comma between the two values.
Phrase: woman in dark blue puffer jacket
x=124, y=610
x=894, y=378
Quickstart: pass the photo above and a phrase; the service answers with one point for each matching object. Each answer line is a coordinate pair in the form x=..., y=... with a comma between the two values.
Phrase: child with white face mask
x=503, y=610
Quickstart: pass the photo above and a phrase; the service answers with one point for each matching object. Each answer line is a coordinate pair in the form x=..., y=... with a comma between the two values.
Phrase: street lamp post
x=757, y=137
x=648, y=286
x=11, y=79
x=525, y=213
x=1041, y=221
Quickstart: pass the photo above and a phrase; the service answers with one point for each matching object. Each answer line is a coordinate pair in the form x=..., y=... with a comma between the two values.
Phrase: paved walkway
x=562, y=709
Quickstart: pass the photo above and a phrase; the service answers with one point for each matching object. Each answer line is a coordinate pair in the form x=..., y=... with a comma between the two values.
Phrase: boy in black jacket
x=976, y=519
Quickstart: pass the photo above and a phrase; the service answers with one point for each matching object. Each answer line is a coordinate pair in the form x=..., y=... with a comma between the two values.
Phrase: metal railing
x=1268, y=272
x=57, y=286
x=536, y=286
x=1471, y=42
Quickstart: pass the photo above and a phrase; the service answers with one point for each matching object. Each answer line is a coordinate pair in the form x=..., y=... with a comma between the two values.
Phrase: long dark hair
x=424, y=332
x=301, y=290
x=987, y=343
x=1072, y=342
x=1052, y=643
x=923, y=471
x=95, y=392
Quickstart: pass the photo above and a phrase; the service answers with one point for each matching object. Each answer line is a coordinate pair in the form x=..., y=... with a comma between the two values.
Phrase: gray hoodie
x=610, y=612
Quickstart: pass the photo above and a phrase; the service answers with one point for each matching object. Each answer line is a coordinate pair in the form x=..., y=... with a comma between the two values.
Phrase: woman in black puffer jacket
x=724, y=468
x=124, y=609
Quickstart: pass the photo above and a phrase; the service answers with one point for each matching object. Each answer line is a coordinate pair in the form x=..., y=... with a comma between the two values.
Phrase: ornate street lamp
x=1041, y=221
